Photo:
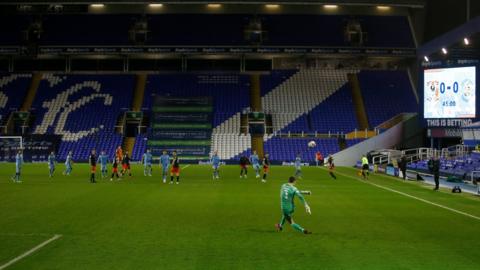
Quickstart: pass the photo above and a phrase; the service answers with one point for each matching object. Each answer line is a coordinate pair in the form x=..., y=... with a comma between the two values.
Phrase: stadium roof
x=406, y=3
x=454, y=42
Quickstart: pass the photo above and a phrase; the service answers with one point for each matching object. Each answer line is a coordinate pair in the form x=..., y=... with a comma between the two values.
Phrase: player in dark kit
x=115, y=168
x=126, y=165
x=93, y=165
x=243, y=166
x=266, y=167
x=175, y=163
x=331, y=167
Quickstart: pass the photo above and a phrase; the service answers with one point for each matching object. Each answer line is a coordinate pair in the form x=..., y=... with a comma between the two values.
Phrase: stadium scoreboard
x=448, y=94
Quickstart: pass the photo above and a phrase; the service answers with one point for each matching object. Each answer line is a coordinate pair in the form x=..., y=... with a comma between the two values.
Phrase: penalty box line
x=412, y=197
x=30, y=251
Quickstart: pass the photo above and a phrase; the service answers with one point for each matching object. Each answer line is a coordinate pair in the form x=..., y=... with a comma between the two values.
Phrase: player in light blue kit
x=147, y=163
x=215, y=161
x=165, y=163
x=255, y=161
x=68, y=164
x=51, y=164
x=298, y=167
x=103, y=161
x=18, y=167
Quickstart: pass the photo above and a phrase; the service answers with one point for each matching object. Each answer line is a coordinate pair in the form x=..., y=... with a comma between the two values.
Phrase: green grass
x=141, y=223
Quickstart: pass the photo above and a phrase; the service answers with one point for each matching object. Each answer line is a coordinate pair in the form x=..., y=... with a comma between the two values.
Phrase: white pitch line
x=414, y=197
x=29, y=252
x=184, y=167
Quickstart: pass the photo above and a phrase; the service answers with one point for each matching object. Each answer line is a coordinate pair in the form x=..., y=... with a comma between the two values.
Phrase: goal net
x=9, y=146
x=35, y=147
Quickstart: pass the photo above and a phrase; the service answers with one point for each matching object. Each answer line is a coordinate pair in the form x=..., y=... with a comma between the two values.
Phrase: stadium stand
x=320, y=100
x=352, y=142
x=230, y=92
x=334, y=115
x=13, y=88
x=317, y=100
x=460, y=166
x=274, y=79
x=301, y=93
x=298, y=94
x=230, y=145
x=207, y=29
x=286, y=149
x=181, y=124
x=225, y=136
x=90, y=103
x=394, y=90
x=301, y=124
x=140, y=146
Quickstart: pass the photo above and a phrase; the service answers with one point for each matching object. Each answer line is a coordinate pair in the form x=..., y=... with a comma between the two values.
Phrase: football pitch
x=141, y=223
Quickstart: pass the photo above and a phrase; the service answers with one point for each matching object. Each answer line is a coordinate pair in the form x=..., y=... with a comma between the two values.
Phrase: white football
x=312, y=144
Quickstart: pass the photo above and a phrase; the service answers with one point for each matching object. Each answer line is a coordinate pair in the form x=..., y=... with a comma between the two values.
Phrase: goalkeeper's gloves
x=307, y=208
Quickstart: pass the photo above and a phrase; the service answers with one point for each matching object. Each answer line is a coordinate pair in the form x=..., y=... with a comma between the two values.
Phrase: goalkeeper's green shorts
x=287, y=213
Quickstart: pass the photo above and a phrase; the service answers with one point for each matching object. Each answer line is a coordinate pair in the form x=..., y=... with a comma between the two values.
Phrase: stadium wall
x=388, y=139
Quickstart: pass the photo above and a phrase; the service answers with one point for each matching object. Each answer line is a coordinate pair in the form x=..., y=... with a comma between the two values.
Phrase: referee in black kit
x=434, y=166
x=93, y=165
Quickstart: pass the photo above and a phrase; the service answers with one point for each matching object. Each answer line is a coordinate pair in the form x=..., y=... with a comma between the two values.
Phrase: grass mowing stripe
x=217, y=226
x=411, y=196
x=29, y=252
x=25, y=234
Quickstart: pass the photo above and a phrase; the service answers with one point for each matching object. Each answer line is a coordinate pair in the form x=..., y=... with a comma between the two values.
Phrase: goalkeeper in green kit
x=287, y=195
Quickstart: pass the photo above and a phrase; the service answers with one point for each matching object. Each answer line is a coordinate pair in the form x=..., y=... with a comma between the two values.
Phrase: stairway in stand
x=138, y=94
x=358, y=103
x=22, y=118
x=256, y=106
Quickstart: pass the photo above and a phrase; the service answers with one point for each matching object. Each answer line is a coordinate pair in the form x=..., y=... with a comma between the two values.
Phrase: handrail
x=475, y=181
x=381, y=159
x=471, y=176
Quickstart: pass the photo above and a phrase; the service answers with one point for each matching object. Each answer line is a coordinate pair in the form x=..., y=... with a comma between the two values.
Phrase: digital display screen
x=449, y=93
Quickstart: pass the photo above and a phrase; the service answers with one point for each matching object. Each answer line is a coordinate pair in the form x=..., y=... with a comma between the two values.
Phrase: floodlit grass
x=141, y=223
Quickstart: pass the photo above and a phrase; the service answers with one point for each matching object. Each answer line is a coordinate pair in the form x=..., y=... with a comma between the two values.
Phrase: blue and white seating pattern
x=290, y=100
x=83, y=109
x=140, y=147
x=284, y=149
x=13, y=88
x=393, y=88
x=459, y=166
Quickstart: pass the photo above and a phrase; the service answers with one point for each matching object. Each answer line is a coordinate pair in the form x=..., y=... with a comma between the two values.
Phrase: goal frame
x=9, y=151
x=14, y=137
